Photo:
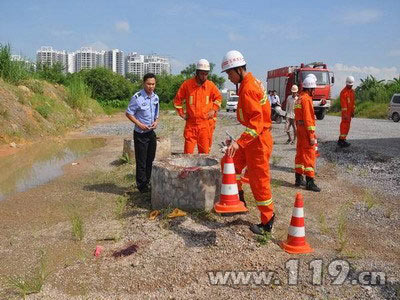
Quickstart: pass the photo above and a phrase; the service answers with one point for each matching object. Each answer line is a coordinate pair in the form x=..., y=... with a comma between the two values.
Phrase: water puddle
x=40, y=163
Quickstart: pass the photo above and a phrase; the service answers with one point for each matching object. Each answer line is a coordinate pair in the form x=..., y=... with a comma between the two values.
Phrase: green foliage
x=167, y=86
x=54, y=73
x=106, y=85
x=134, y=78
x=11, y=71
x=43, y=105
x=372, y=97
x=264, y=238
x=30, y=284
x=78, y=93
x=125, y=159
x=190, y=71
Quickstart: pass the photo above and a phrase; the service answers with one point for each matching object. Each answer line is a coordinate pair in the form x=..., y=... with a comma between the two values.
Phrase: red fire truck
x=282, y=79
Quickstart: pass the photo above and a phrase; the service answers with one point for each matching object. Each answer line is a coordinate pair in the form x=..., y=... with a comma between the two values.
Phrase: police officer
x=143, y=110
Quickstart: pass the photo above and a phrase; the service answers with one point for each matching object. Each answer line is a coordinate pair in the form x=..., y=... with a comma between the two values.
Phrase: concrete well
x=163, y=148
x=188, y=182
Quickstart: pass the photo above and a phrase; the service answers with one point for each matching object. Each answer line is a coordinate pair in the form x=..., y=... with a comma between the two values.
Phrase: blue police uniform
x=145, y=109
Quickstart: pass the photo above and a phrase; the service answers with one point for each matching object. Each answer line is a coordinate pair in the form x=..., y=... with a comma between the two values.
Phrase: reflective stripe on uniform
x=343, y=135
x=265, y=202
x=264, y=99
x=178, y=106
x=217, y=102
x=241, y=115
x=298, y=106
x=311, y=128
x=207, y=99
x=299, y=167
x=310, y=169
x=191, y=100
x=251, y=132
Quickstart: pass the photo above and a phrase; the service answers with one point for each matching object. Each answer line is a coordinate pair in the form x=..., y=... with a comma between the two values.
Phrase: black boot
x=311, y=186
x=299, y=180
x=262, y=228
x=343, y=143
x=241, y=197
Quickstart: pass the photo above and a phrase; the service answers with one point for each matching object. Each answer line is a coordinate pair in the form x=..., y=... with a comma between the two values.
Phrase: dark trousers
x=145, y=151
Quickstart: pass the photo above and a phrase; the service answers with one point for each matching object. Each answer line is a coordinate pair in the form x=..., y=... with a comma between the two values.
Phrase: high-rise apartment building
x=87, y=58
x=134, y=63
x=157, y=64
x=48, y=56
x=142, y=64
x=114, y=61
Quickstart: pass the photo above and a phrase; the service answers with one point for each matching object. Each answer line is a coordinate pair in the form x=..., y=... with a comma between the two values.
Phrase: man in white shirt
x=290, y=114
x=276, y=99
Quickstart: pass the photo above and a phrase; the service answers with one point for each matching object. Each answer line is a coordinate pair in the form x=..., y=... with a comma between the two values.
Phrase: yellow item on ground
x=153, y=215
x=176, y=213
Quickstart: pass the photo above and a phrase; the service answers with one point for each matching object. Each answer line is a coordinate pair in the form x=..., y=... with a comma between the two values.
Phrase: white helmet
x=203, y=65
x=312, y=76
x=232, y=59
x=349, y=80
x=309, y=83
x=294, y=88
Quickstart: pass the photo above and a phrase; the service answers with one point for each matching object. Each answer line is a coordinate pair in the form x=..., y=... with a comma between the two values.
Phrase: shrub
x=11, y=71
x=106, y=85
x=52, y=73
x=78, y=93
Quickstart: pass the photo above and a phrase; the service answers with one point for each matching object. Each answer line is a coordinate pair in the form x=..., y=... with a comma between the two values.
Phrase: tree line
x=372, y=97
x=107, y=87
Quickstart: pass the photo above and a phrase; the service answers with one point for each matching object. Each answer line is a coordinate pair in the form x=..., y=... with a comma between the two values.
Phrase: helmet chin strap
x=241, y=79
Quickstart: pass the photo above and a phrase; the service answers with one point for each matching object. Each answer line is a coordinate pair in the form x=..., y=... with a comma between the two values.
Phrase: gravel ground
x=345, y=223
x=372, y=161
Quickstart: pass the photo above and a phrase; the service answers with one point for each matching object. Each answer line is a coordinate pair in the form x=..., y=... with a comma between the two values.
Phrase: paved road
x=381, y=136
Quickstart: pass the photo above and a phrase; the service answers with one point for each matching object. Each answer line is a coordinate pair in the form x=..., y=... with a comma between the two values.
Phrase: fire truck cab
x=282, y=79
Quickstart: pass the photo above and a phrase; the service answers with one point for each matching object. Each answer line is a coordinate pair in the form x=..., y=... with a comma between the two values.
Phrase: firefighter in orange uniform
x=305, y=124
x=254, y=147
x=347, y=103
x=202, y=100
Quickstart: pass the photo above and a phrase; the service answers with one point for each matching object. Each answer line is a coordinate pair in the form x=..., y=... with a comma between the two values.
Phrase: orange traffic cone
x=316, y=147
x=296, y=241
x=245, y=177
x=229, y=200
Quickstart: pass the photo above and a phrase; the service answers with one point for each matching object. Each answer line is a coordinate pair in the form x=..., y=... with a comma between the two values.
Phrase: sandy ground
x=351, y=228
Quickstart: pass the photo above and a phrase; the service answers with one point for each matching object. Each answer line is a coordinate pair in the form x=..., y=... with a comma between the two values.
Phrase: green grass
x=29, y=284
x=323, y=224
x=204, y=215
x=78, y=93
x=264, y=238
x=342, y=237
x=77, y=227
x=120, y=206
x=369, y=200
x=125, y=159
